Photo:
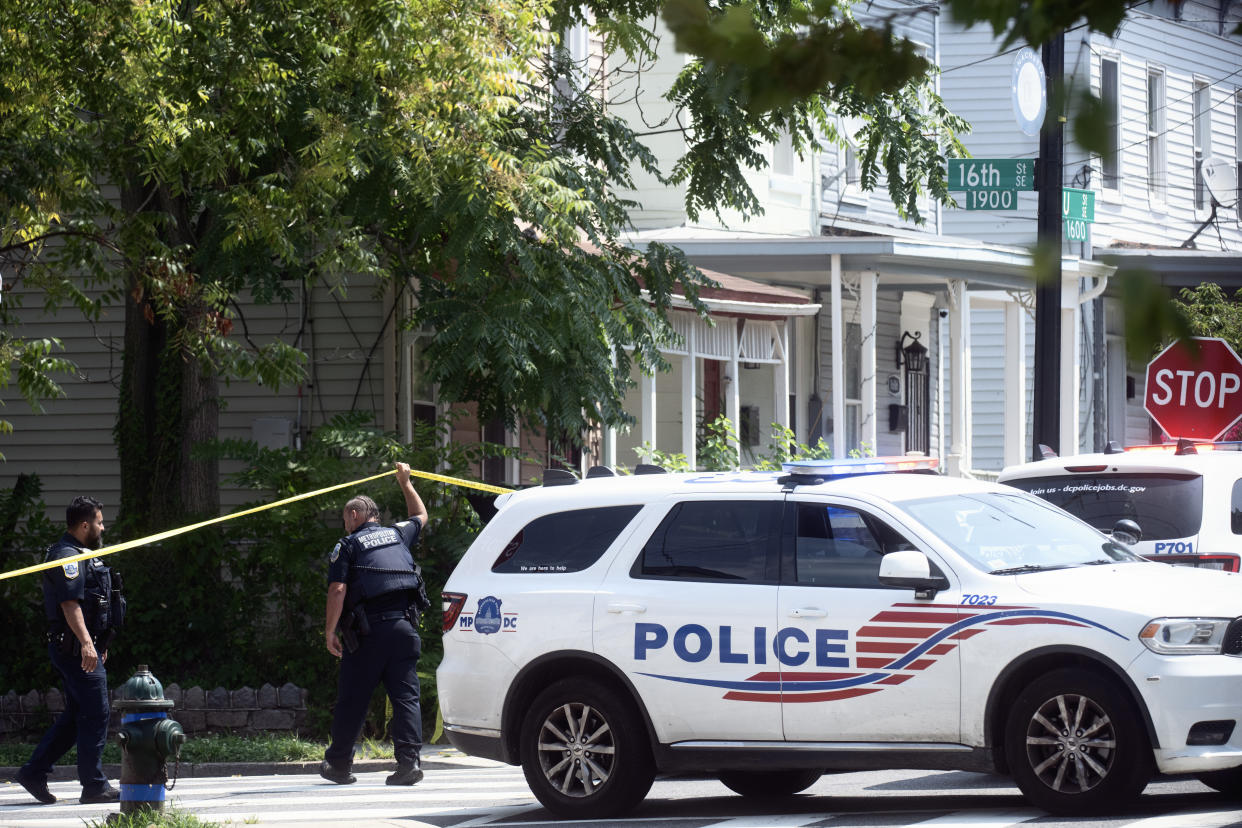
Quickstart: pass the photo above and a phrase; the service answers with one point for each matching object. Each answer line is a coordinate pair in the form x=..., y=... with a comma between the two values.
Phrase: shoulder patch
x=71, y=569
x=336, y=553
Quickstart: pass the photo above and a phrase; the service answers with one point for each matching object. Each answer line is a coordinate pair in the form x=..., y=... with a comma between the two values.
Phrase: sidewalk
x=437, y=758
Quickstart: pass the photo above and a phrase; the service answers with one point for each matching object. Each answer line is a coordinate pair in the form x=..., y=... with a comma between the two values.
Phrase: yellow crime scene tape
x=171, y=533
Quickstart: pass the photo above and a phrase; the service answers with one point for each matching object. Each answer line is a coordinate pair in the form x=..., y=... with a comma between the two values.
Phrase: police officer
x=82, y=602
x=375, y=592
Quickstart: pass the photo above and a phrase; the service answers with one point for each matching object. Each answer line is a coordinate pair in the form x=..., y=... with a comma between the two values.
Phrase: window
x=783, y=155
x=713, y=540
x=838, y=547
x=1237, y=140
x=1165, y=506
x=853, y=385
x=1110, y=95
x=851, y=169
x=1235, y=508
x=1202, y=139
x=1157, y=171
x=565, y=541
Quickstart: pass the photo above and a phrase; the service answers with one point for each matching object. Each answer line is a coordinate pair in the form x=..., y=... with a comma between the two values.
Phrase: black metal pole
x=1046, y=394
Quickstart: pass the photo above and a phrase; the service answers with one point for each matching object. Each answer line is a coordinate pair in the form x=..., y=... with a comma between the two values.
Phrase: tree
x=444, y=146
x=260, y=145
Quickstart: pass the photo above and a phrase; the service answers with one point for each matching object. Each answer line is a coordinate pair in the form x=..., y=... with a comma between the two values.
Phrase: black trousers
x=84, y=723
x=388, y=654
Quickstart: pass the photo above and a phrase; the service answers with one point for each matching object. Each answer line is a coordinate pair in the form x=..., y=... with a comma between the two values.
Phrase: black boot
x=35, y=785
x=334, y=774
x=407, y=774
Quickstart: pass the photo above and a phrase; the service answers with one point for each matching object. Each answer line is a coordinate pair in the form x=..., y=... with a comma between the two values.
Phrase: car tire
x=584, y=751
x=1076, y=744
x=766, y=784
x=1228, y=781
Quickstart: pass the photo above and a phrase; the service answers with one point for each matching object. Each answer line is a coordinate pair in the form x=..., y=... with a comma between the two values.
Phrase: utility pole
x=1046, y=396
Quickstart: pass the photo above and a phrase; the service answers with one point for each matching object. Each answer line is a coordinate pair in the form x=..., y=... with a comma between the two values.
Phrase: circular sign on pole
x=1195, y=395
x=1030, y=95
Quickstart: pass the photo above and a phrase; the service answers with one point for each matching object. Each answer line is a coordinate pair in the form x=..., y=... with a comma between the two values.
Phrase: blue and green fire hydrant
x=148, y=739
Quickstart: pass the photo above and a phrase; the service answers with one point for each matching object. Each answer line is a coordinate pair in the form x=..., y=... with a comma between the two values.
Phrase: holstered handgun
x=346, y=630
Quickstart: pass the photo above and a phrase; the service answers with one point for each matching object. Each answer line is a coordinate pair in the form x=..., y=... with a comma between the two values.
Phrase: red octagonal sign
x=1198, y=396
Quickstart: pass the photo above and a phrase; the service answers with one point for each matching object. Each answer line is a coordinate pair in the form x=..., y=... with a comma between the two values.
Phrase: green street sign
x=1077, y=204
x=991, y=199
x=1076, y=230
x=991, y=173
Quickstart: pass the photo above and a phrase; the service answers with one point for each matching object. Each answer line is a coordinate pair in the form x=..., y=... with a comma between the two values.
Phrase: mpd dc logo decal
x=488, y=618
x=893, y=647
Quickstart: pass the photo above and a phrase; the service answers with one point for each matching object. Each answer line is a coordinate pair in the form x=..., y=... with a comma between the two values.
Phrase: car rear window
x=1164, y=505
x=565, y=541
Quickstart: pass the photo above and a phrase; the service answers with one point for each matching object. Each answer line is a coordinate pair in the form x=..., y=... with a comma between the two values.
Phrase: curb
x=436, y=760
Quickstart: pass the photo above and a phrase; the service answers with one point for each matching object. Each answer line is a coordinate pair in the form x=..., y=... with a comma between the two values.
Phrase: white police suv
x=768, y=627
x=1184, y=501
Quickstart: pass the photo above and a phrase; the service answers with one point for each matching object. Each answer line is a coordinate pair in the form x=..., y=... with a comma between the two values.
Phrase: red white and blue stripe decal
x=893, y=647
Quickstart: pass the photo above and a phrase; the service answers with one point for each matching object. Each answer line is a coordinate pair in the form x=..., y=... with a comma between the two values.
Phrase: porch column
x=647, y=415
x=866, y=307
x=1015, y=384
x=838, y=363
x=780, y=376
x=959, y=370
x=688, y=386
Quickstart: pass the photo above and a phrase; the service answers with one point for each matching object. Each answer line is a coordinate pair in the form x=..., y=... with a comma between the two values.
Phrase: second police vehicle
x=768, y=627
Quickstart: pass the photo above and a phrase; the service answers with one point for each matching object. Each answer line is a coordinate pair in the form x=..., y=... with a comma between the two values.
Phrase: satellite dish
x=1221, y=179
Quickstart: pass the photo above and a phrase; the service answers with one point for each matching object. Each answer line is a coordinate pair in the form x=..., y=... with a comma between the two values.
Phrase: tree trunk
x=169, y=403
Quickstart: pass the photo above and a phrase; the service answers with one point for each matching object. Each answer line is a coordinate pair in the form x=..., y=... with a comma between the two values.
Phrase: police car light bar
x=807, y=470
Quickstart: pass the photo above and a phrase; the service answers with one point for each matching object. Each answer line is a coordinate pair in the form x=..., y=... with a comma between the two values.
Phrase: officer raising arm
x=375, y=594
x=83, y=604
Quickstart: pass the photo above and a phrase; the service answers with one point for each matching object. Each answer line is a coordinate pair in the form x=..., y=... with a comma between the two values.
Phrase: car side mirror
x=1127, y=531
x=910, y=568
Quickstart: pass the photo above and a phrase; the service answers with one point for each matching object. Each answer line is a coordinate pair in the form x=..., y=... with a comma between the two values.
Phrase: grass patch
x=153, y=819
x=257, y=747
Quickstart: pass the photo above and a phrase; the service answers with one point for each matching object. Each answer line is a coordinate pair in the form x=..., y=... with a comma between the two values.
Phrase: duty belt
x=392, y=615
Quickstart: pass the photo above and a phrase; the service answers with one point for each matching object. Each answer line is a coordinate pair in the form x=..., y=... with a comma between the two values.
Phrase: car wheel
x=1076, y=744
x=584, y=751
x=769, y=783
x=1228, y=782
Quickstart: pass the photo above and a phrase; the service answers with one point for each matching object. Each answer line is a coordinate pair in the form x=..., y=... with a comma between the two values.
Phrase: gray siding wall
x=70, y=446
x=975, y=82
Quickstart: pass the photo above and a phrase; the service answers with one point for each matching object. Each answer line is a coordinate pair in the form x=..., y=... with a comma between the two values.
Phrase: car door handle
x=620, y=607
x=807, y=612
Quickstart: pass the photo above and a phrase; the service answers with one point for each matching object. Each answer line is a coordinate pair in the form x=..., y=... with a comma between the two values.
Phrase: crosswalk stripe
x=1202, y=819
x=983, y=819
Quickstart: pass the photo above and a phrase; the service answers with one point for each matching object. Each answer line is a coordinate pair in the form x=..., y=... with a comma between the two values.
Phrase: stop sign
x=1198, y=396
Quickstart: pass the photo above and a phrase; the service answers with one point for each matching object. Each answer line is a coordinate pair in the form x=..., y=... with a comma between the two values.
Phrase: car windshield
x=1165, y=506
x=1007, y=534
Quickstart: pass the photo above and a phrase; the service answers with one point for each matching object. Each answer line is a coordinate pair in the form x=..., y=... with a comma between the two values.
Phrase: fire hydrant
x=148, y=738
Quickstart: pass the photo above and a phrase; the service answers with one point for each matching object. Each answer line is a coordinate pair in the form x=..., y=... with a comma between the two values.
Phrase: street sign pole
x=1046, y=416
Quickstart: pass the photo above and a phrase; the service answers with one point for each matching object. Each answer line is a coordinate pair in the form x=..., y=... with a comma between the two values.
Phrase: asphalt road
x=460, y=792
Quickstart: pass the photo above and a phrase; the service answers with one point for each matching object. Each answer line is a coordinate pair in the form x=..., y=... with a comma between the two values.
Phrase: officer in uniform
x=375, y=592
x=83, y=604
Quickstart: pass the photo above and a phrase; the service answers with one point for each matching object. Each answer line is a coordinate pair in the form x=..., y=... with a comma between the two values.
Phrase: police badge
x=336, y=553
x=71, y=570
x=487, y=617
